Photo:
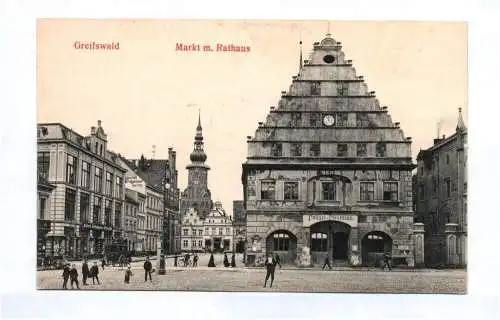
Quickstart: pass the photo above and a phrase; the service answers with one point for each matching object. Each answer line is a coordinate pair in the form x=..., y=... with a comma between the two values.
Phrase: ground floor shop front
x=354, y=239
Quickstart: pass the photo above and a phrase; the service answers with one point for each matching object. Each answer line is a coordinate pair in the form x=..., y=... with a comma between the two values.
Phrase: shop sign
x=309, y=220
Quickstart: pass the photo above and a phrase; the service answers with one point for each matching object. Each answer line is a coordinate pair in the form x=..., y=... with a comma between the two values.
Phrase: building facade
x=328, y=174
x=131, y=219
x=219, y=232
x=192, y=232
x=240, y=226
x=86, y=205
x=44, y=189
x=197, y=195
x=441, y=198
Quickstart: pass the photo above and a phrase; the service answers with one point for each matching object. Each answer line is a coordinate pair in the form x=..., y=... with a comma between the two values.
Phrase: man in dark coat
x=226, y=261
x=211, y=262
x=233, y=260
x=327, y=263
x=195, y=260
x=65, y=275
x=73, y=273
x=271, y=262
x=147, y=270
x=85, y=272
x=94, y=273
x=387, y=261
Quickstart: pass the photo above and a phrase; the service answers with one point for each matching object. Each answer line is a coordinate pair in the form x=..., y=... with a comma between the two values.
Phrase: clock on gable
x=328, y=120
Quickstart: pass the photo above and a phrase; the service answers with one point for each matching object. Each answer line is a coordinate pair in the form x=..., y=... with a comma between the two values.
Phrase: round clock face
x=328, y=120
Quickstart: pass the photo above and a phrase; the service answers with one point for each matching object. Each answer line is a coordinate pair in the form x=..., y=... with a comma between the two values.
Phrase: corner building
x=328, y=174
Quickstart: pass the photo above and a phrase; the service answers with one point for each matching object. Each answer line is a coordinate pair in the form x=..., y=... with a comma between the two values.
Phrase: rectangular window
x=434, y=187
x=296, y=149
x=362, y=120
x=70, y=204
x=328, y=191
x=315, y=119
x=281, y=242
x=315, y=150
x=361, y=150
x=206, y=231
x=276, y=149
x=220, y=231
x=85, y=179
x=193, y=243
x=185, y=243
x=200, y=243
x=447, y=184
x=41, y=210
x=98, y=180
x=341, y=119
x=109, y=183
x=228, y=231
x=267, y=190
x=107, y=213
x=97, y=210
x=342, y=89
x=200, y=232
x=342, y=150
x=119, y=187
x=213, y=231
x=84, y=208
x=391, y=191
x=447, y=159
x=381, y=149
x=291, y=191
x=43, y=162
x=421, y=190
x=315, y=88
x=71, y=169
x=319, y=242
x=296, y=119
x=118, y=215
x=366, y=191
x=185, y=232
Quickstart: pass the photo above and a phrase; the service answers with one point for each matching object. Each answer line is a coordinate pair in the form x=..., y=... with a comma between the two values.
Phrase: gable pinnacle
x=460, y=123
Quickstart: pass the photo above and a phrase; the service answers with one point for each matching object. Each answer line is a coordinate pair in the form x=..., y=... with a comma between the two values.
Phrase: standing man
x=387, y=261
x=94, y=273
x=195, y=260
x=73, y=273
x=65, y=275
x=147, y=270
x=271, y=262
x=85, y=272
x=327, y=262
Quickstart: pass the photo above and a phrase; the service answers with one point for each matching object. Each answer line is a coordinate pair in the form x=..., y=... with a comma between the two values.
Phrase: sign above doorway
x=351, y=220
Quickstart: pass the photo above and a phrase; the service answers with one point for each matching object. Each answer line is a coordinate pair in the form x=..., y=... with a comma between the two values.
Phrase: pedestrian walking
x=327, y=263
x=211, y=262
x=73, y=274
x=226, y=260
x=147, y=270
x=65, y=275
x=186, y=259
x=195, y=260
x=103, y=262
x=387, y=261
x=94, y=273
x=271, y=262
x=85, y=272
x=233, y=260
x=128, y=274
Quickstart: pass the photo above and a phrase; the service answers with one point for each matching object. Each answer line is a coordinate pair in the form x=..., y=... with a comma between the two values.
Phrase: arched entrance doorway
x=373, y=246
x=283, y=243
x=329, y=238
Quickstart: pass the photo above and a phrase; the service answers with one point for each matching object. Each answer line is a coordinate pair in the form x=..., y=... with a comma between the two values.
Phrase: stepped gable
x=328, y=103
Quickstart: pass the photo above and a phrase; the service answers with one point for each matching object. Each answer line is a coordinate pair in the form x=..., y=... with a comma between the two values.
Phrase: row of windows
x=315, y=88
x=314, y=150
x=84, y=182
x=97, y=217
x=435, y=163
x=447, y=186
x=154, y=203
x=341, y=119
x=185, y=243
x=130, y=210
x=328, y=191
x=130, y=225
x=154, y=223
x=215, y=231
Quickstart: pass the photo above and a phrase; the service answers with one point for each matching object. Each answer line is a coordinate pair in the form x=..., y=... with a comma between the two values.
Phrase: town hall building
x=328, y=174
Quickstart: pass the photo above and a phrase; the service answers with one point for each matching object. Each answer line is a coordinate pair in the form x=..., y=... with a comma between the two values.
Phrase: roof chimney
x=99, y=123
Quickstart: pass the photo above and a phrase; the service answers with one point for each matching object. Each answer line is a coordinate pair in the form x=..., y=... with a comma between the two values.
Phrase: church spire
x=198, y=155
x=300, y=57
x=460, y=123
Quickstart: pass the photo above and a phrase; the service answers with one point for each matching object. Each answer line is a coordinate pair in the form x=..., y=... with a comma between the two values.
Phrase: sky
x=148, y=93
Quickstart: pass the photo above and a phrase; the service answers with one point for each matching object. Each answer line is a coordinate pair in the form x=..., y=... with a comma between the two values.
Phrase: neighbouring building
x=131, y=220
x=328, y=174
x=85, y=207
x=441, y=198
x=44, y=190
x=192, y=232
x=218, y=227
x=197, y=195
x=239, y=225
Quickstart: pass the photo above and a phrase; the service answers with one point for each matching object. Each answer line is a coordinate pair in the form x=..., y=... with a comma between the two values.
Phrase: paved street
x=292, y=280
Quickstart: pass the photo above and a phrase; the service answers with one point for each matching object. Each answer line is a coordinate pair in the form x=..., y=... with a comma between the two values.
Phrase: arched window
x=281, y=242
x=319, y=242
x=374, y=237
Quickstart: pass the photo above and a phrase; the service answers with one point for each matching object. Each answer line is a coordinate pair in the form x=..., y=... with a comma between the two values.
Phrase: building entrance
x=329, y=239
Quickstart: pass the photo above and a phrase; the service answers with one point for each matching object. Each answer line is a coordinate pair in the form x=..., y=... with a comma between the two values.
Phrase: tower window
x=342, y=150
x=315, y=119
x=381, y=150
x=315, y=88
x=341, y=119
x=276, y=150
x=267, y=190
x=328, y=58
x=315, y=150
x=296, y=119
x=361, y=150
x=342, y=89
x=296, y=149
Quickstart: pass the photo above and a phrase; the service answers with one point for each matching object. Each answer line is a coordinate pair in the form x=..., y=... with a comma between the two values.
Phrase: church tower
x=197, y=195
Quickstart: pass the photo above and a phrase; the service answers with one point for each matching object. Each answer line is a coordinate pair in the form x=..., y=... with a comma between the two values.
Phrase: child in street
x=128, y=274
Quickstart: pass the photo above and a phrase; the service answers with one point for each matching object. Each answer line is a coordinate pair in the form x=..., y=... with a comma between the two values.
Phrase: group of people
x=72, y=273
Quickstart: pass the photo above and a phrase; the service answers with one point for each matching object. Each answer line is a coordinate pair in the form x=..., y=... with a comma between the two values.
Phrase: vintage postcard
x=232, y=155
